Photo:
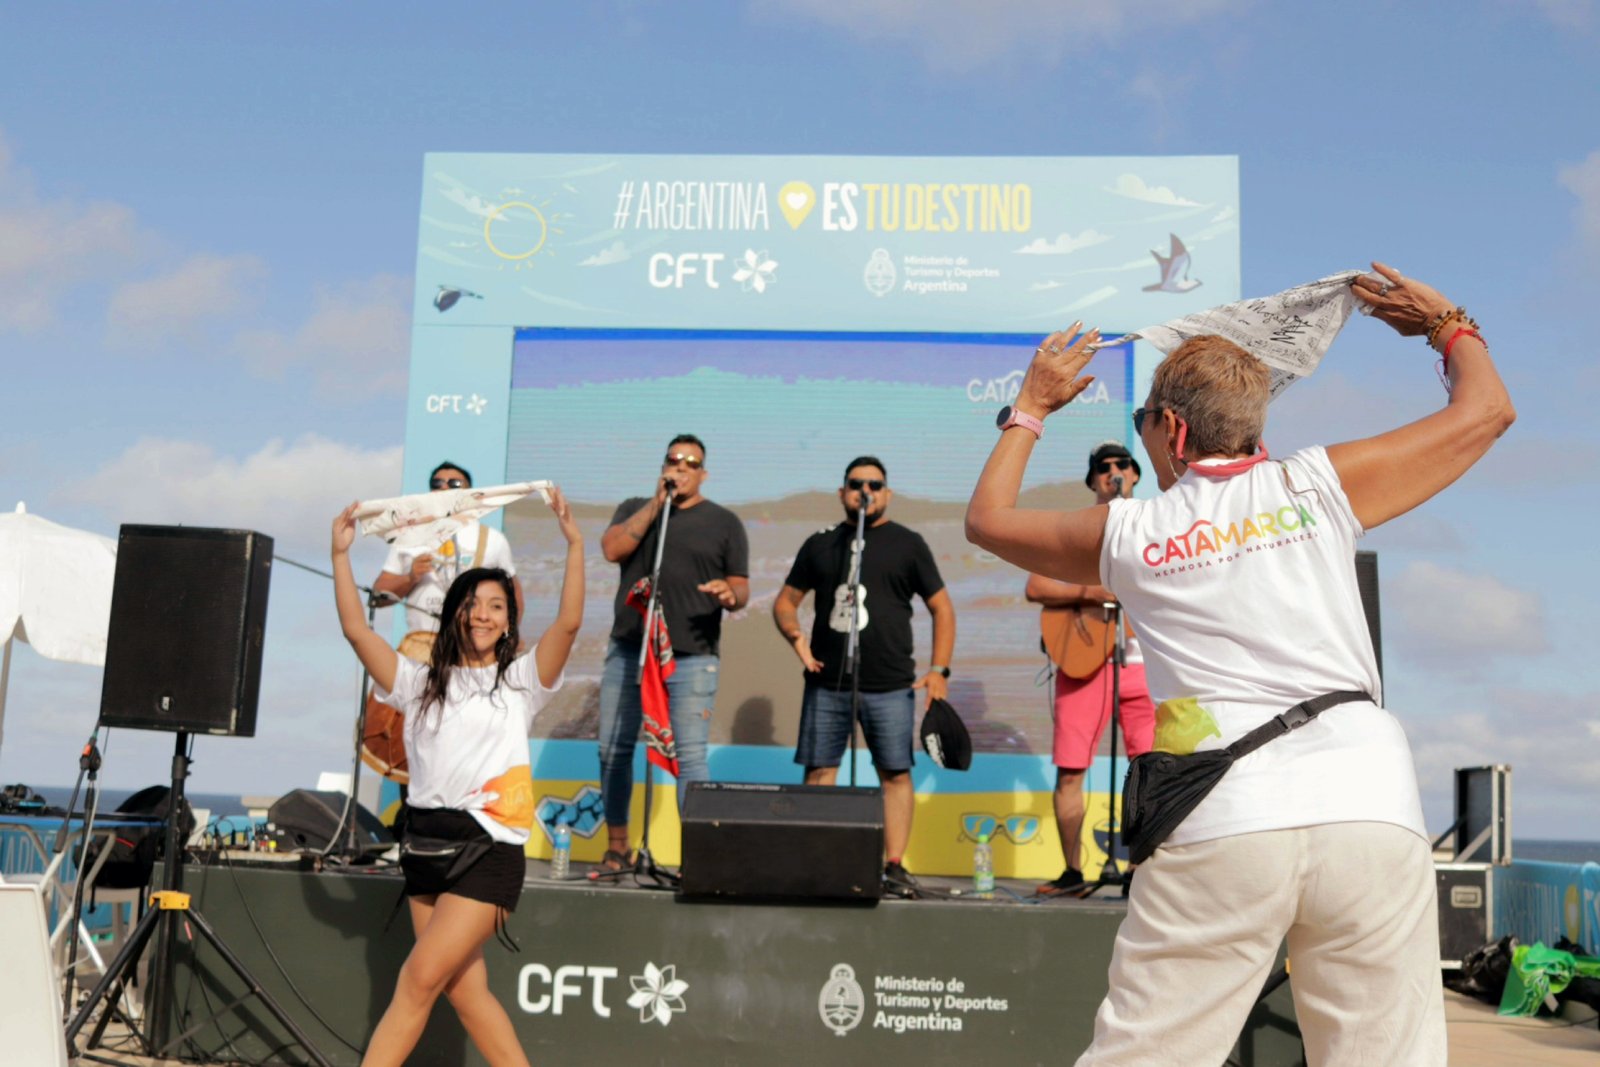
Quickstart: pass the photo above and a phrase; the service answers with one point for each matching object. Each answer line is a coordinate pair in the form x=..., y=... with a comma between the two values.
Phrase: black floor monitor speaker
x=782, y=841
x=188, y=615
x=309, y=819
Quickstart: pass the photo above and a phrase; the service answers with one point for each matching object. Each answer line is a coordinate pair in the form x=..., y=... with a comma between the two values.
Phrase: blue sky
x=208, y=231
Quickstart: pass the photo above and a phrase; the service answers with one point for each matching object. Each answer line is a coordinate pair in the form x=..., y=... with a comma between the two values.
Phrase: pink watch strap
x=1026, y=421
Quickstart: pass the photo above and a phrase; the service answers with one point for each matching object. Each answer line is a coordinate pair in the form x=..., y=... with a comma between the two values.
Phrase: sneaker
x=1070, y=884
x=897, y=882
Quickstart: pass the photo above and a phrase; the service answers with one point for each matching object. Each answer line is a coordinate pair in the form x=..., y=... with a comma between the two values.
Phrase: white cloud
x=1538, y=733
x=615, y=252
x=1466, y=620
x=1134, y=188
x=50, y=247
x=963, y=35
x=358, y=337
x=1567, y=14
x=1582, y=180
x=1064, y=243
x=290, y=491
x=171, y=306
x=1224, y=215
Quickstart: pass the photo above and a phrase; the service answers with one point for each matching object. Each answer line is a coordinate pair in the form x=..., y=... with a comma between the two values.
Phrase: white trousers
x=1358, y=904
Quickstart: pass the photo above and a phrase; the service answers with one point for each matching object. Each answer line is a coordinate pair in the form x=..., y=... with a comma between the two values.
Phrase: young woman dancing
x=468, y=713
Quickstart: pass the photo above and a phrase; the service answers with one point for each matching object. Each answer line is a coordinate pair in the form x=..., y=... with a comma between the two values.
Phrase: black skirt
x=496, y=877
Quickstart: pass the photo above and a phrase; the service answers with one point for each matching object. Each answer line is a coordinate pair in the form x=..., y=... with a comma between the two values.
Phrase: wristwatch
x=939, y=669
x=1010, y=416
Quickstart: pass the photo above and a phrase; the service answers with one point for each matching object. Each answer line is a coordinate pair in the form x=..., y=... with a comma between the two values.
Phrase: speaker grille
x=188, y=617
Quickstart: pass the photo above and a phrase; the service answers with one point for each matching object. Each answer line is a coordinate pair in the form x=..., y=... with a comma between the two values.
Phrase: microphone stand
x=1111, y=872
x=858, y=549
x=644, y=863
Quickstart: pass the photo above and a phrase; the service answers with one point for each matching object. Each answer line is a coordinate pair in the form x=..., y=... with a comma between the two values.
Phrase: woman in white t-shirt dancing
x=1240, y=580
x=467, y=717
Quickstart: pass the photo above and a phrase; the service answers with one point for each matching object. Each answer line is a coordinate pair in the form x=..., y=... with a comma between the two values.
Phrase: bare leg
x=484, y=1017
x=1069, y=814
x=617, y=838
x=822, y=775
x=450, y=930
x=899, y=801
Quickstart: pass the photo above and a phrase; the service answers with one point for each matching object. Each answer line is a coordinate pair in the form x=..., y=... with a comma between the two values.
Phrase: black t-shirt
x=896, y=566
x=705, y=541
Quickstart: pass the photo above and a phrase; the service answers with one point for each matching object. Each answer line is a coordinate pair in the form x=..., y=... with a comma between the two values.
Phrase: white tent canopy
x=55, y=592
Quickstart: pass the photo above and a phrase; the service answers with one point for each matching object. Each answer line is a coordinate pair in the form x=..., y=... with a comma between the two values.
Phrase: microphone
x=670, y=485
x=1116, y=484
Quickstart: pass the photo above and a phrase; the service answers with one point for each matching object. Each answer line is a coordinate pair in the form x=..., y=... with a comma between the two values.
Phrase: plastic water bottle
x=983, y=868
x=561, y=859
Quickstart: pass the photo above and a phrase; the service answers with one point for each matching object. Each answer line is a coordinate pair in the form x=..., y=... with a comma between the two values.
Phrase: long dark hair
x=449, y=647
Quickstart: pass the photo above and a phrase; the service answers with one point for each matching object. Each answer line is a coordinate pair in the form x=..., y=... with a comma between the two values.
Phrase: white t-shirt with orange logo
x=1243, y=592
x=471, y=754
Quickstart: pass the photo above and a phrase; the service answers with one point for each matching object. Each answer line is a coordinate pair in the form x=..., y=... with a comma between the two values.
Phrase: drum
x=383, y=740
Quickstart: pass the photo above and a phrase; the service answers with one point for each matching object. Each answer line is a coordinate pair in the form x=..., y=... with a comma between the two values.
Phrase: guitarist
x=1083, y=705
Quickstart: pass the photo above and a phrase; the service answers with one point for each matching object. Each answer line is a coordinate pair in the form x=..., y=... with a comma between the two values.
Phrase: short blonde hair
x=1219, y=389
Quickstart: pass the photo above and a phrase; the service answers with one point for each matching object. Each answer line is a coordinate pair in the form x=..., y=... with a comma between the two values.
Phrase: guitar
x=1077, y=642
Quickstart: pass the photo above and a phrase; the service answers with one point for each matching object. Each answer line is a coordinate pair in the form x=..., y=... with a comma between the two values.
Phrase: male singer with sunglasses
x=896, y=565
x=420, y=576
x=1083, y=705
x=705, y=570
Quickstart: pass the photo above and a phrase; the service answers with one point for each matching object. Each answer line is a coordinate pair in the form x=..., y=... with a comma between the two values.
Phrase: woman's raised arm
x=1388, y=475
x=373, y=651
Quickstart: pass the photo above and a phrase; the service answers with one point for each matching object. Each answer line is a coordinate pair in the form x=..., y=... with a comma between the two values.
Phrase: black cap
x=945, y=738
x=1109, y=450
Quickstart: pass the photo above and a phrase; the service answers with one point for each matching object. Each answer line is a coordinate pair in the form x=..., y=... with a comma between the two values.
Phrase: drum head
x=383, y=740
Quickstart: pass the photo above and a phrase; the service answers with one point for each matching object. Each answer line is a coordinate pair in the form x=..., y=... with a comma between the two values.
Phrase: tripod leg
x=249, y=979
x=117, y=974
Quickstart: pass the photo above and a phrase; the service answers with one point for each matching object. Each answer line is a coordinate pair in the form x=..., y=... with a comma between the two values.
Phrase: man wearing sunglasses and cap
x=705, y=570
x=1083, y=705
x=896, y=565
x=420, y=576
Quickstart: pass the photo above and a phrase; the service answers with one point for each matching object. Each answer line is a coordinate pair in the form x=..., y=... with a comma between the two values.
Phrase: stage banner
x=1538, y=901
x=832, y=242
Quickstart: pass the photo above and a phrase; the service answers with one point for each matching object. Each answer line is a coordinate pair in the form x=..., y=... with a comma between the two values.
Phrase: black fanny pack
x=1163, y=788
x=432, y=860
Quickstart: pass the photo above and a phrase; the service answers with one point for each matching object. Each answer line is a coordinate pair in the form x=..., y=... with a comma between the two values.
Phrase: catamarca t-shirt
x=1243, y=592
x=471, y=754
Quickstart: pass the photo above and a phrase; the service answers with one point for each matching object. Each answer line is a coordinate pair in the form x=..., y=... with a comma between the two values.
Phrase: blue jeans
x=886, y=722
x=691, y=692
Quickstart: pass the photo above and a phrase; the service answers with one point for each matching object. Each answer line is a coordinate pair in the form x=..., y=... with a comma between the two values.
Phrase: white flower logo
x=477, y=404
x=755, y=271
x=657, y=993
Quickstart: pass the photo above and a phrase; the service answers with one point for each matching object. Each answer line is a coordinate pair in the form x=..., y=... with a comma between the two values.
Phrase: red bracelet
x=1464, y=331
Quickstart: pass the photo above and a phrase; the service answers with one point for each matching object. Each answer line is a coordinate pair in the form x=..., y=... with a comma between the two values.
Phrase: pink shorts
x=1083, y=708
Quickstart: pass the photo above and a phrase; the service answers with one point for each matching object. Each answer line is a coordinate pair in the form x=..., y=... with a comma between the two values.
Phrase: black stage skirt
x=495, y=878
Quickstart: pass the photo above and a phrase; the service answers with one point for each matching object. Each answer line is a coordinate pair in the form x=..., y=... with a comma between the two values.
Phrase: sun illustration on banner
x=657, y=993
x=518, y=230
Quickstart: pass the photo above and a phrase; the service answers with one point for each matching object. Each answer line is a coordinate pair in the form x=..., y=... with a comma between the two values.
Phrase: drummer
x=420, y=576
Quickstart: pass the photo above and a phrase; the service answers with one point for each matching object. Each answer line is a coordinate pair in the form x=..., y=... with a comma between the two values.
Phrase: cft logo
x=657, y=993
x=455, y=404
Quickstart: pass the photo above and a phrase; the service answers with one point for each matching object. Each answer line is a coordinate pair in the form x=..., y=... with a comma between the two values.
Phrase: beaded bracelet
x=1437, y=323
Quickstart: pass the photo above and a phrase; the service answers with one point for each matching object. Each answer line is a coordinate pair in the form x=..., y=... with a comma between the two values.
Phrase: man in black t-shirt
x=705, y=570
x=895, y=566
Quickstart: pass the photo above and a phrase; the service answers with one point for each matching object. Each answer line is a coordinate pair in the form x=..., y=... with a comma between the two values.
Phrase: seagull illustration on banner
x=1174, y=270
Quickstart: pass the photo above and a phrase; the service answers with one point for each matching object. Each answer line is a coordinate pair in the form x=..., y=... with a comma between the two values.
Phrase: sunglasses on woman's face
x=693, y=462
x=448, y=483
x=872, y=485
x=1139, y=417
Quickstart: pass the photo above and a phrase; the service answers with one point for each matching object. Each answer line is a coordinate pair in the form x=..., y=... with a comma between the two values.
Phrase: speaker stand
x=170, y=907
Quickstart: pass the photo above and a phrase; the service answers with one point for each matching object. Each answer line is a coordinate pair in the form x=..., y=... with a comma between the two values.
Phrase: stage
x=619, y=974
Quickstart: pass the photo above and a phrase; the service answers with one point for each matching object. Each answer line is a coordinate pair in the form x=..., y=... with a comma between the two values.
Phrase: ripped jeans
x=691, y=692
